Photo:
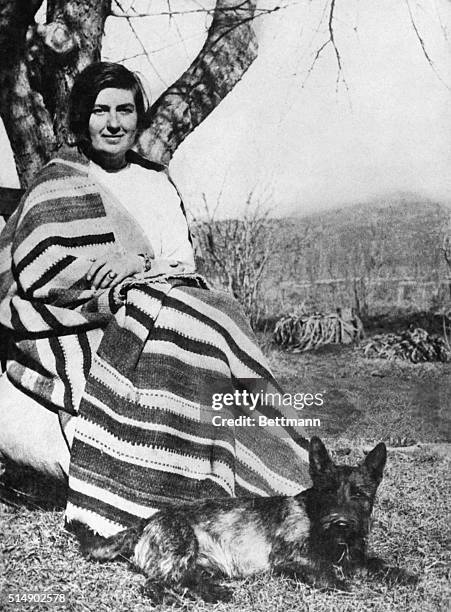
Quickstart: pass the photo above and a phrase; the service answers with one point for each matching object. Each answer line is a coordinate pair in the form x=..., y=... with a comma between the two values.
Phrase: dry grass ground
x=365, y=401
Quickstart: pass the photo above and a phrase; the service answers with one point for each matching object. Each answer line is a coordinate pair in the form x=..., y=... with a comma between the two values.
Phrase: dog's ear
x=319, y=459
x=375, y=461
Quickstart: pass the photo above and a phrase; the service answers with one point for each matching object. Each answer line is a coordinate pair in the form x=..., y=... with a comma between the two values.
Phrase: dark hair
x=89, y=83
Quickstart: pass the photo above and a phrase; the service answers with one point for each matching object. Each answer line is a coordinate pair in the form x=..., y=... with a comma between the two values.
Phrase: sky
x=298, y=138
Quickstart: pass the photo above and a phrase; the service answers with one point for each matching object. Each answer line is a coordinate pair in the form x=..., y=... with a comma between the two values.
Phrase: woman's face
x=113, y=126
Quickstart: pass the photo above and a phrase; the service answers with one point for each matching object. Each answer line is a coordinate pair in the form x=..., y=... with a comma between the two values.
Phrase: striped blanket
x=138, y=365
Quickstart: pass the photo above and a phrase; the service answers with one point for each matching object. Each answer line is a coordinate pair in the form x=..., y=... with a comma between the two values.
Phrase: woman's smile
x=113, y=137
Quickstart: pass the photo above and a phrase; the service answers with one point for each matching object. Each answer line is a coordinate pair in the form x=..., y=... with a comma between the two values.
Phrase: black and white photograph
x=225, y=305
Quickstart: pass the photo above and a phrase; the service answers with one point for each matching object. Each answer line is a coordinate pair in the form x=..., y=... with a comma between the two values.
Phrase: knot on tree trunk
x=57, y=36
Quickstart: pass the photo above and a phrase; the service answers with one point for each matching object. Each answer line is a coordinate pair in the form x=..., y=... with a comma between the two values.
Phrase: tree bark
x=229, y=50
x=27, y=121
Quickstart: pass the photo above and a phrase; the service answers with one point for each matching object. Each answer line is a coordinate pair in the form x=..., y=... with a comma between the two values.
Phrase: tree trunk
x=38, y=65
x=27, y=121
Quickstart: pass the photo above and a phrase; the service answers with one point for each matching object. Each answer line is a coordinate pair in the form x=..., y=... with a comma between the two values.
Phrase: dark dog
x=319, y=536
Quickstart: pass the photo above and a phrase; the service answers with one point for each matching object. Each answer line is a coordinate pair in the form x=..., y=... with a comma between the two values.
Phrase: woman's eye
x=98, y=111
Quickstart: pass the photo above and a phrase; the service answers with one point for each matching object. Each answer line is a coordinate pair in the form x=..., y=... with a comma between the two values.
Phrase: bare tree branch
x=258, y=12
x=236, y=252
x=144, y=51
x=332, y=35
x=230, y=48
x=446, y=249
x=442, y=25
x=329, y=41
x=423, y=46
x=179, y=33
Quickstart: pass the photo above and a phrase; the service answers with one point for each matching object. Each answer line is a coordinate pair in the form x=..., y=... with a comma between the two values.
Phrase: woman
x=115, y=333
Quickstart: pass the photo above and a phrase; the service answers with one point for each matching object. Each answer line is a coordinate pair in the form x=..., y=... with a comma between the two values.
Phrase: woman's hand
x=110, y=269
x=165, y=266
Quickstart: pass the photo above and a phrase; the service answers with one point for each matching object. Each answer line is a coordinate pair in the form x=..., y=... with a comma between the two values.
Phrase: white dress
x=151, y=199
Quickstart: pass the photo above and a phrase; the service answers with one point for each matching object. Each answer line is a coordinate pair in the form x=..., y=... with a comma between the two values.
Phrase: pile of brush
x=412, y=345
x=302, y=332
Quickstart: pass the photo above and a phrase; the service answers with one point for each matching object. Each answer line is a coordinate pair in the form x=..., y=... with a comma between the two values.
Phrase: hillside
x=371, y=256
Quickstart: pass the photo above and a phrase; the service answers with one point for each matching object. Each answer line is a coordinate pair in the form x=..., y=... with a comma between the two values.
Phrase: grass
x=366, y=400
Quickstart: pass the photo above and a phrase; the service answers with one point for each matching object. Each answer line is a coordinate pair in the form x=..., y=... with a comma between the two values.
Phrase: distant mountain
x=362, y=253
x=392, y=237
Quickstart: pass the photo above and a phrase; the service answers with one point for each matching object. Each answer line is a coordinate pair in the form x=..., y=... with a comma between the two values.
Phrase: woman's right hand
x=111, y=268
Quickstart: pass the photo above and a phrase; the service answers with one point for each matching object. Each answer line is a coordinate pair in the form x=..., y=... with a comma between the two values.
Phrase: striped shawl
x=137, y=364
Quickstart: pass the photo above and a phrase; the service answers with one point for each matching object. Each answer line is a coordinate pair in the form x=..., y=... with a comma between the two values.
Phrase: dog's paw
x=163, y=594
x=169, y=594
x=400, y=576
x=322, y=580
x=212, y=592
x=378, y=568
